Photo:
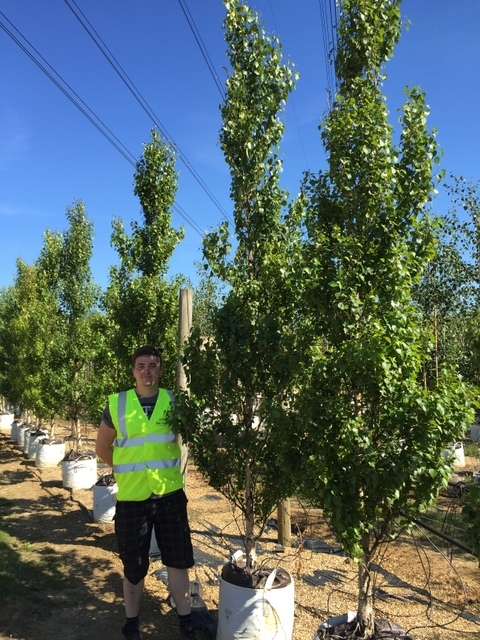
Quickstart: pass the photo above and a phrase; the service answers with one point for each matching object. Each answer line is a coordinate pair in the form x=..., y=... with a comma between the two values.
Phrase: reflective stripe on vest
x=122, y=405
x=150, y=437
x=143, y=466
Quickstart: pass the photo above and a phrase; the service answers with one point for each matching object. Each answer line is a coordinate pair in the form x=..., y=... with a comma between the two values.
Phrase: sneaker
x=131, y=633
x=188, y=633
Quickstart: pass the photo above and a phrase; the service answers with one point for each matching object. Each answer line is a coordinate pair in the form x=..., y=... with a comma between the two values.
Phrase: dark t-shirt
x=148, y=404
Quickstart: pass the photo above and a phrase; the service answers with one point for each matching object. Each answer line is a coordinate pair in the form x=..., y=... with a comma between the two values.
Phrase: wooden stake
x=284, y=523
x=184, y=329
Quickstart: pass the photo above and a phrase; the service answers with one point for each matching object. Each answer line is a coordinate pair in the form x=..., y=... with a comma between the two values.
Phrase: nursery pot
x=248, y=613
x=22, y=429
x=104, y=500
x=80, y=473
x=26, y=439
x=6, y=420
x=456, y=452
x=49, y=453
x=14, y=430
x=34, y=438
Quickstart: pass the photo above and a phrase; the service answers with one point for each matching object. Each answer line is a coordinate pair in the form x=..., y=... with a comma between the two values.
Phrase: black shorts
x=134, y=522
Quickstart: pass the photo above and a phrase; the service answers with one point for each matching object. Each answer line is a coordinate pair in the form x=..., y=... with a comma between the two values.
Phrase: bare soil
x=429, y=594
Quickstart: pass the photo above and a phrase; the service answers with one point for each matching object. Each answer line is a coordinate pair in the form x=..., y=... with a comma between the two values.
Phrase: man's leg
x=179, y=584
x=173, y=536
x=132, y=595
x=133, y=536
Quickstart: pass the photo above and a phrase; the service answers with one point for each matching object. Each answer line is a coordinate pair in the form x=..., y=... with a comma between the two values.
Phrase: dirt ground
x=417, y=586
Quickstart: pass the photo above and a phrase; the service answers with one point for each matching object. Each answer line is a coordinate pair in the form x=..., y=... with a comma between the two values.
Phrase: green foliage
x=448, y=293
x=7, y=310
x=206, y=301
x=367, y=433
x=141, y=305
x=237, y=373
x=66, y=278
x=50, y=341
x=28, y=340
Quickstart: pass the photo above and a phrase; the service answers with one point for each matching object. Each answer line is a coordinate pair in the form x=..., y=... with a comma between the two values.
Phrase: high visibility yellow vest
x=146, y=456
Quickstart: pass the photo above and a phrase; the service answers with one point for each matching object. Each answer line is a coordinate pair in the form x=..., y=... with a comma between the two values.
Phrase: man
x=136, y=440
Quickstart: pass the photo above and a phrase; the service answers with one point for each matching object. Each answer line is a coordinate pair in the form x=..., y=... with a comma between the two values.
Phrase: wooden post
x=284, y=523
x=184, y=328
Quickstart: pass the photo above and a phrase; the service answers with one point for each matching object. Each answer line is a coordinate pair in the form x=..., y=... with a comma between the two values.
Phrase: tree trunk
x=75, y=430
x=52, y=426
x=365, y=613
x=250, y=550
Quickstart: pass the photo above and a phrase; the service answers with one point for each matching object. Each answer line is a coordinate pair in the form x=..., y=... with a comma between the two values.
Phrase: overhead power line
x=329, y=21
x=67, y=90
x=201, y=45
x=141, y=100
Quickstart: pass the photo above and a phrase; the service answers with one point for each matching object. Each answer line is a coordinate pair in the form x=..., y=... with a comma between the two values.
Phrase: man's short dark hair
x=147, y=350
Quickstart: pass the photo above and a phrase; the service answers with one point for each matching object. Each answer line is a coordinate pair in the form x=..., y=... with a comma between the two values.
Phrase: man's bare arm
x=103, y=447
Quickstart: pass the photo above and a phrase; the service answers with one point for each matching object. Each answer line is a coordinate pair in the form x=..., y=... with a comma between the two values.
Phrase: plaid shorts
x=134, y=522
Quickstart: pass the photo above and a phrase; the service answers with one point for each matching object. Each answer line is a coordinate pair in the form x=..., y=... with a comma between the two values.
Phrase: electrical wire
x=83, y=20
x=201, y=45
x=329, y=21
x=67, y=90
x=188, y=219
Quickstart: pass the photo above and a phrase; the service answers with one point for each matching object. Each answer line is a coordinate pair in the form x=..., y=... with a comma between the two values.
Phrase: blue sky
x=51, y=155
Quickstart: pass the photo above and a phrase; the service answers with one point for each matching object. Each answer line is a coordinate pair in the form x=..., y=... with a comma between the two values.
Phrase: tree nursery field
x=60, y=574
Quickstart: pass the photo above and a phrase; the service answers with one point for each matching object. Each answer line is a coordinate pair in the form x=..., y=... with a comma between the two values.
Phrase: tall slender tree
x=237, y=381
x=369, y=435
x=78, y=297
x=7, y=349
x=141, y=303
x=52, y=342
x=27, y=340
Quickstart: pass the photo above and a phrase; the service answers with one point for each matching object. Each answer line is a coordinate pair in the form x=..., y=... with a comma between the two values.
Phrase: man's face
x=147, y=371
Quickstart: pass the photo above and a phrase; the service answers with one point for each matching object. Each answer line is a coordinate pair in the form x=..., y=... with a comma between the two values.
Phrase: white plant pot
x=456, y=452
x=49, y=453
x=104, y=502
x=14, y=431
x=34, y=438
x=255, y=614
x=22, y=429
x=26, y=438
x=80, y=473
x=6, y=420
